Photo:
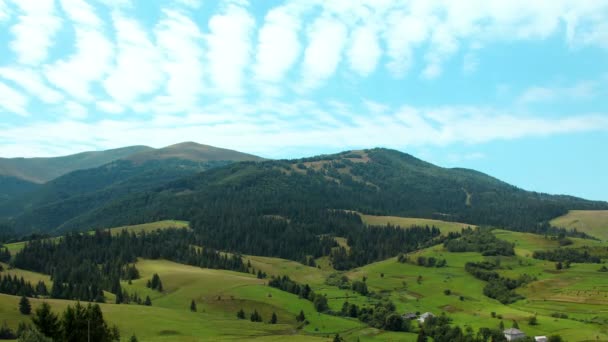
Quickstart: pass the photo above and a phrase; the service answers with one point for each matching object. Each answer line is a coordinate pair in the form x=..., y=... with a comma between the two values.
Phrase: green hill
x=377, y=182
x=60, y=200
x=592, y=222
x=40, y=170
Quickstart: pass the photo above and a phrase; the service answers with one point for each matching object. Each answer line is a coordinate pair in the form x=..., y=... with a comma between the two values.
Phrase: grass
x=406, y=222
x=592, y=222
x=150, y=227
x=580, y=292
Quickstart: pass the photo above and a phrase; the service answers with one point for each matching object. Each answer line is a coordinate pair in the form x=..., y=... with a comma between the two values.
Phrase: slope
x=592, y=222
x=40, y=170
x=81, y=191
x=378, y=182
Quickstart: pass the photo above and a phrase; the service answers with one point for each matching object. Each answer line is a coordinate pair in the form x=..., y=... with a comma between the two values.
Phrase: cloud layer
x=99, y=74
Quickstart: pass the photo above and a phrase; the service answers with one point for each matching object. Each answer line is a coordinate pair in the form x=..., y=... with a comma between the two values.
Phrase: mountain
x=193, y=152
x=78, y=192
x=376, y=181
x=41, y=170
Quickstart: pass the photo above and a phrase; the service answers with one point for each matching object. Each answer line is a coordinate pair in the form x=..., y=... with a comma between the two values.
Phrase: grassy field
x=406, y=222
x=592, y=222
x=581, y=292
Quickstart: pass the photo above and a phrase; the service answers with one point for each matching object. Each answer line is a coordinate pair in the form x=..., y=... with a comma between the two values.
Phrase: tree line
x=82, y=266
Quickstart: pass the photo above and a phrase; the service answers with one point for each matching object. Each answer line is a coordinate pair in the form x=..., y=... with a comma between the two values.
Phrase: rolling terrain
x=575, y=293
x=592, y=222
x=51, y=205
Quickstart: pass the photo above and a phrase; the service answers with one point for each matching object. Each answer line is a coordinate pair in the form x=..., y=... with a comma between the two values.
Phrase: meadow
x=592, y=222
x=580, y=292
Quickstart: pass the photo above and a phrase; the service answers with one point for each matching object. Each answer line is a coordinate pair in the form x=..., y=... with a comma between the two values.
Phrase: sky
x=516, y=88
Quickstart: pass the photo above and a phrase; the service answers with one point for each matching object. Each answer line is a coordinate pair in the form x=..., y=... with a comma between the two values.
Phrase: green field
x=406, y=222
x=581, y=292
x=592, y=222
x=149, y=227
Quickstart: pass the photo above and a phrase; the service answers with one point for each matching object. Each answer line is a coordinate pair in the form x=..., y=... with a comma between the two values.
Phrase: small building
x=513, y=334
x=409, y=316
x=424, y=316
x=540, y=338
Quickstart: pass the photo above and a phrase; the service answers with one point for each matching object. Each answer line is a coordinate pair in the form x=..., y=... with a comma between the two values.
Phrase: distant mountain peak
x=194, y=152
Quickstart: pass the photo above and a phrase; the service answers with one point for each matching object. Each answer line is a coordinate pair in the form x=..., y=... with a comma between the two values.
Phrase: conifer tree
x=24, y=306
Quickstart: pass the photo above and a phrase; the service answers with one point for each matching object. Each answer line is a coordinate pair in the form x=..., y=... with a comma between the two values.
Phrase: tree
x=81, y=323
x=555, y=338
x=240, y=314
x=46, y=321
x=33, y=335
x=447, y=292
x=148, y=301
x=558, y=265
x=24, y=306
x=393, y=322
x=421, y=336
x=532, y=320
x=501, y=326
x=337, y=338
x=133, y=339
x=320, y=303
x=193, y=306
x=255, y=316
x=300, y=317
x=515, y=325
x=273, y=319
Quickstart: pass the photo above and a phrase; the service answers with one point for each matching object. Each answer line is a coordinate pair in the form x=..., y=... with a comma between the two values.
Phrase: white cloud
x=35, y=30
x=75, y=110
x=93, y=53
x=308, y=125
x=278, y=44
x=137, y=71
x=326, y=40
x=12, y=101
x=403, y=33
x=31, y=82
x=582, y=90
x=229, y=48
x=364, y=50
x=180, y=41
x=109, y=107
x=81, y=12
x=189, y=3
x=4, y=11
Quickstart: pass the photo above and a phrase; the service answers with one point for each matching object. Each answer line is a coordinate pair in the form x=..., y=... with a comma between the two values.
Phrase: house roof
x=512, y=331
x=427, y=314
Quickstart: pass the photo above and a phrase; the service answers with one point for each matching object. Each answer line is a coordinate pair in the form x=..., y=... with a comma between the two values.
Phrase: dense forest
x=377, y=181
x=478, y=240
x=82, y=266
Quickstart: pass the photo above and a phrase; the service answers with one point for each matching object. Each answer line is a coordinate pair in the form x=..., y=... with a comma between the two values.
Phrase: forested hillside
x=51, y=205
x=378, y=181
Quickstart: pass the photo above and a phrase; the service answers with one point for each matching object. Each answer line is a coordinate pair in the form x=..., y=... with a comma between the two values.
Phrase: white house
x=424, y=316
x=513, y=334
x=540, y=338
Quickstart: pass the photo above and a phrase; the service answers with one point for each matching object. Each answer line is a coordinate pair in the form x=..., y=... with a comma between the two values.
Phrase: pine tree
x=337, y=338
x=300, y=317
x=193, y=306
x=240, y=314
x=148, y=301
x=24, y=306
x=133, y=339
x=501, y=326
x=273, y=319
x=515, y=325
x=46, y=321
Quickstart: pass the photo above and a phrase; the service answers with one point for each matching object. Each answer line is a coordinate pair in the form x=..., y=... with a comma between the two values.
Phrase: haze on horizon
x=514, y=89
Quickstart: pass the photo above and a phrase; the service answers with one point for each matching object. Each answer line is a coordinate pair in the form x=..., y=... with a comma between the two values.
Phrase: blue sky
x=513, y=88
